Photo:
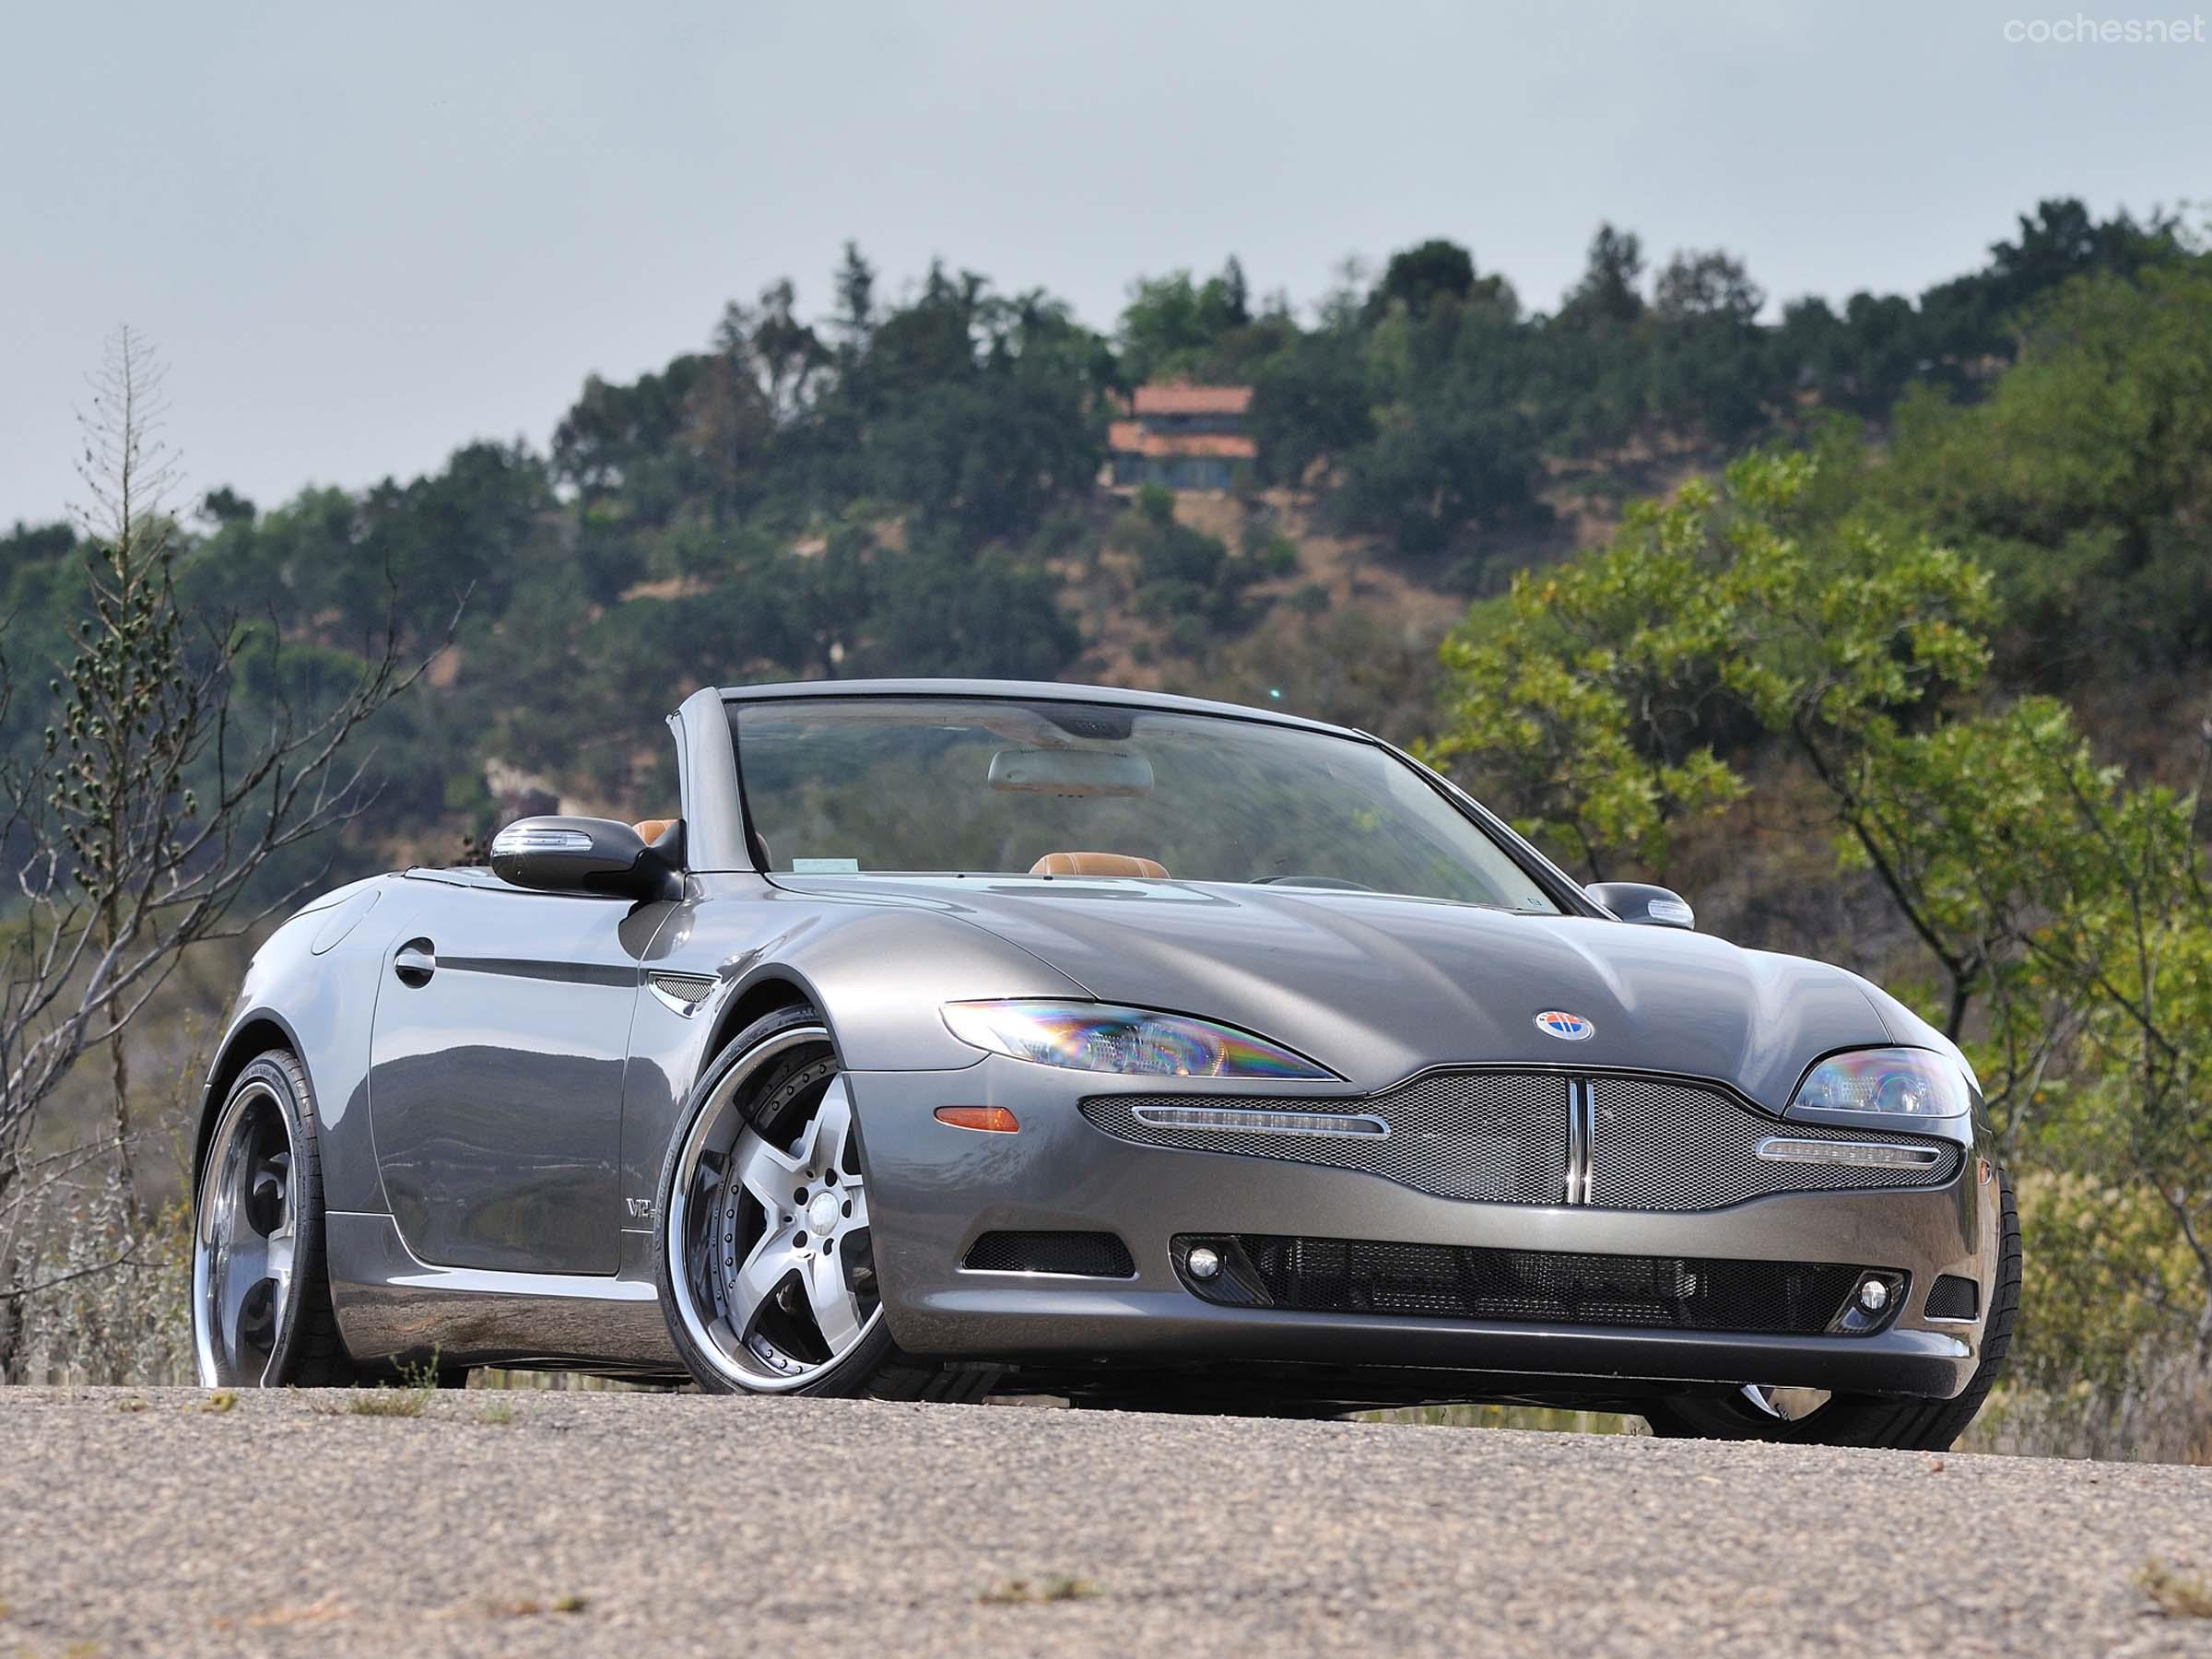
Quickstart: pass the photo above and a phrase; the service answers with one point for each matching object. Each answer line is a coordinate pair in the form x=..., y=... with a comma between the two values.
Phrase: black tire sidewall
x=1917, y=1425
x=846, y=1377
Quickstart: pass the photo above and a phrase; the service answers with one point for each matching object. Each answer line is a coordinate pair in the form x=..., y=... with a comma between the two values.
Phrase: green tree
x=1173, y=326
x=2081, y=480
x=1694, y=287
x=1311, y=404
x=1595, y=698
x=1437, y=271
x=1608, y=292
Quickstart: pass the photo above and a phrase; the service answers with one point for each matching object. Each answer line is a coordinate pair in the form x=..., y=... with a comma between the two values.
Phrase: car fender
x=763, y=948
x=319, y=1004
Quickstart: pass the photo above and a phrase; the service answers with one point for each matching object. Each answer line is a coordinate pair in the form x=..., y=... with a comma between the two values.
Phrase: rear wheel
x=764, y=1248
x=1806, y=1417
x=261, y=1312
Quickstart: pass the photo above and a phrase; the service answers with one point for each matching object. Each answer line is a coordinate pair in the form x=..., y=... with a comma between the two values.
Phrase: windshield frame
x=1555, y=883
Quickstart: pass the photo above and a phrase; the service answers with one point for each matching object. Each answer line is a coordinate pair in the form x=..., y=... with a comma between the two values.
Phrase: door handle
x=415, y=962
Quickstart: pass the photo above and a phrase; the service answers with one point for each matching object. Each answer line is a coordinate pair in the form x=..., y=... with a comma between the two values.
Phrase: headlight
x=1095, y=1037
x=1894, y=1082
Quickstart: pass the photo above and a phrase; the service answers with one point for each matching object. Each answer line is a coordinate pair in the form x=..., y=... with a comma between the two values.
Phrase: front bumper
x=935, y=1189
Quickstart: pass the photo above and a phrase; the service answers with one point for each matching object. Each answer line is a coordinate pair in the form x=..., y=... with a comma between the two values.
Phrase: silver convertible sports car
x=956, y=1038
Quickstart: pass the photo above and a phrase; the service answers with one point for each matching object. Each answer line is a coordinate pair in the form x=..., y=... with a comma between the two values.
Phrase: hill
x=911, y=485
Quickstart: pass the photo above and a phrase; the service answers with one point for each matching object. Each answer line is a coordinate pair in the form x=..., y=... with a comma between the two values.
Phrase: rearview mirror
x=1057, y=772
x=581, y=855
x=1641, y=903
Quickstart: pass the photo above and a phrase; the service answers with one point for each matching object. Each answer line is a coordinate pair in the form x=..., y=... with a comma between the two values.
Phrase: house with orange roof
x=1184, y=437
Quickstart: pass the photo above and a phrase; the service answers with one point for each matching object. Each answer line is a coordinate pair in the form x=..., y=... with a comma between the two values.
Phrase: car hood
x=1377, y=987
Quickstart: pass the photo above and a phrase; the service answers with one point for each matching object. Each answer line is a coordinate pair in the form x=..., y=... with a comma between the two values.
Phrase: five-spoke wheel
x=765, y=1218
x=260, y=1307
x=242, y=1245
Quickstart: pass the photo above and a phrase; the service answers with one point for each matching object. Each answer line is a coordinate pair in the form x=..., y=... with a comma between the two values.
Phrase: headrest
x=1099, y=864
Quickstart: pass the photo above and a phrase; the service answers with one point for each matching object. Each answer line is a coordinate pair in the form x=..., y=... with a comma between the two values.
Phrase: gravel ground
x=527, y=1523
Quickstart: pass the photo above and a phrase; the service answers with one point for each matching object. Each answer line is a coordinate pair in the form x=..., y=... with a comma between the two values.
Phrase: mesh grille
x=1671, y=1146
x=1500, y=1136
x=684, y=987
x=1087, y=1255
x=1351, y=1275
x=1951, y=1297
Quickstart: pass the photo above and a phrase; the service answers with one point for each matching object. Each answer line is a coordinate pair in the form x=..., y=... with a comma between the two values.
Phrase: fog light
x=1203, y=1264
x=1874, y=1296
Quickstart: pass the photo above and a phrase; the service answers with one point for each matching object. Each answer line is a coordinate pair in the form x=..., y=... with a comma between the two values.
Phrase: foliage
x=811, y=495
x=100, y=1292
x=2082, y=481
x=1174, y=328
x=1419, y=280
x=1187, y=579
x=148, y=813
x=1437, y=402
x=1593, y=701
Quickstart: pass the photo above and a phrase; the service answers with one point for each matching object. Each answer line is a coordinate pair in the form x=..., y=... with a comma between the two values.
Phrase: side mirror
x=583, y=855
x=1641, y=903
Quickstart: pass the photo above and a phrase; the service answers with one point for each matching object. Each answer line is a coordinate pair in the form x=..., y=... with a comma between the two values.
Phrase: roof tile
x=1179, y=397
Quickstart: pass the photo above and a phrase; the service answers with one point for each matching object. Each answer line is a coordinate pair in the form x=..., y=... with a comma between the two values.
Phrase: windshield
x=977, y=786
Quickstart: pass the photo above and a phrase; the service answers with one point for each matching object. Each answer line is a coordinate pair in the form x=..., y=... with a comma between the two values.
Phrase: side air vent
x=1951, y=1297
x=1070, y=1254
x=682, y=992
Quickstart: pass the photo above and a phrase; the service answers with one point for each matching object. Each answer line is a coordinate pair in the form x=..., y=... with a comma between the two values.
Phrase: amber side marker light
x=996, y=1118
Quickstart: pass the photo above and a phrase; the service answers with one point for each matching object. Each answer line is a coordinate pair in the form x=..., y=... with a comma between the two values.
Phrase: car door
x=496, y=1059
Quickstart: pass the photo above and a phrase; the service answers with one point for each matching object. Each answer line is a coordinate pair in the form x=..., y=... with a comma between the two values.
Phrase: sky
x=360, y=236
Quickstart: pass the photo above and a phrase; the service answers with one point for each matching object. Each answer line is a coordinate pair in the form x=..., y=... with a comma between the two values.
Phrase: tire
x=1849, y=1420
x=261, y=1309
x=761, y=1247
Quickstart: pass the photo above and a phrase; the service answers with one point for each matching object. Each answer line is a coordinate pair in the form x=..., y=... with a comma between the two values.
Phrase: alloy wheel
x=1781, y=1405
x=243, y=1241
x=767, y=1219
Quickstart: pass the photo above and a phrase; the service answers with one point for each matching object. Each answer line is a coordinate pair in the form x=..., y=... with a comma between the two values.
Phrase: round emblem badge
x=1567, y=1027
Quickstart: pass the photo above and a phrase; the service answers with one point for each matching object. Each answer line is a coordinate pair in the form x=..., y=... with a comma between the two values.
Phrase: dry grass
x=388, y=1403
x=530, y=1608
x=2177, y=1594
x=1021, y=1592
x=1509, y=1417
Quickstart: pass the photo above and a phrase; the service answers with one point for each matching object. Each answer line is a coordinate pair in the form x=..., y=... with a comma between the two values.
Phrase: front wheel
x=1806, y=1418
x=763, y=1248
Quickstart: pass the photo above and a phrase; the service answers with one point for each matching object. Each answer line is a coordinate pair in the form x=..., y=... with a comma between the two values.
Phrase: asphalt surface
x=140, y=1521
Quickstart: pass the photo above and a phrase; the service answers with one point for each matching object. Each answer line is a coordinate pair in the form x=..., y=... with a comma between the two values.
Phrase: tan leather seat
x=652, y=829
x=1099, y=864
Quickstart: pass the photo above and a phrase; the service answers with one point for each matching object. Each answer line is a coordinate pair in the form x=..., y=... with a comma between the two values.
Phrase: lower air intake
x=1447, y=1281
x=1951, y=1297
x=1072, y=1254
